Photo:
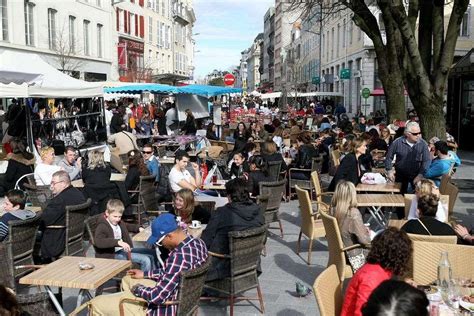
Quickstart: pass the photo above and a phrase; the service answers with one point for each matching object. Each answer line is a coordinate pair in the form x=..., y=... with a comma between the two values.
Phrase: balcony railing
x=180, y=18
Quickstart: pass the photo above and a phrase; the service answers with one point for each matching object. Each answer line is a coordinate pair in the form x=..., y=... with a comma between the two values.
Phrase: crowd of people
x=415, y=163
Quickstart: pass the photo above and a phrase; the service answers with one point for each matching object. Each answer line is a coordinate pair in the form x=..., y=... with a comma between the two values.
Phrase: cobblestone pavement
x=282, y=267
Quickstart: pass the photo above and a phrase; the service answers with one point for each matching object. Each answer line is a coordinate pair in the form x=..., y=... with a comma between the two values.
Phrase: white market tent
x=274, y=95
x=20, y=70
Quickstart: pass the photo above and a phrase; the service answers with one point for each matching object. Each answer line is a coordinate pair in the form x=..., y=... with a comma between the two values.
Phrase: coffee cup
x=195, y=224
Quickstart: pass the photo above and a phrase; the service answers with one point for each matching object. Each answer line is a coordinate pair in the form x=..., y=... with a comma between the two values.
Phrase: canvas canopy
x=43, y=80
x=139, y=88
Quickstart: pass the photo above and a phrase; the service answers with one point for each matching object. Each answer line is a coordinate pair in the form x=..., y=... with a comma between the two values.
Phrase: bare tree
x=67, y=49
x=422, y=67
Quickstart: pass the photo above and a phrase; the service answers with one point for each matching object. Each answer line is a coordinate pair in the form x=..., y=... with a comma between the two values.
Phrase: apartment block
x=268, y=51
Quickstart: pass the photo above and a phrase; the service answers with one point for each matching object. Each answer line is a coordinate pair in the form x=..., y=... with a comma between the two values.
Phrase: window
x=29, y=30
x=338, y=41
x=332, y=43
x=163, y=7
x=52, y=28
x=121, y=21
x=87, y=48
x=150, y=29
x=100, y=40
x=72, y=33
x=344, y=34
x=98, y=3
x=168, y=36
x=351, y=27
x=464, y=28
x=3, y=20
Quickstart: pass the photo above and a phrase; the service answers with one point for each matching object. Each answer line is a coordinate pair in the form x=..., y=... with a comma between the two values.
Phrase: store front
x=131, y=61
x=460, y=103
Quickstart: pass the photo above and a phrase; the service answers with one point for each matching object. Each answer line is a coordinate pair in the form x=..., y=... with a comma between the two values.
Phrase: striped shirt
x=410, y=160
x=190, y=254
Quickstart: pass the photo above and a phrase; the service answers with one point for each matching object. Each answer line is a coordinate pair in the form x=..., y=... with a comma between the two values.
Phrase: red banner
x=122, y=55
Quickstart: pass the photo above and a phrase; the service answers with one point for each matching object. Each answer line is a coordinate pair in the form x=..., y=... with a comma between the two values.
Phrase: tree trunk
x=395, y=98
x=430, y=112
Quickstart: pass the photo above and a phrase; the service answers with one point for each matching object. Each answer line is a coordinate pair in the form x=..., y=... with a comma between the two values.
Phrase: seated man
x=72, y=165
x=64, y=194
x=151, y=162
x=161, y=285
x=180, y=178
x=240, y=213
x=124, y=142
x=442, y=164
x=13, y=205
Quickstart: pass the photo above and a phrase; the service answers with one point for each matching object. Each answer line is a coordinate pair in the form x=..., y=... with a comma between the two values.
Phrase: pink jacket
x=361, y=286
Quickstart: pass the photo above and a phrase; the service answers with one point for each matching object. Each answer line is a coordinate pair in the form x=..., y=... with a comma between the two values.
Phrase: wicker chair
x=304, y=184
x=38, y=195
x=440, y=239
x=147, y=201
x=336, y=247
x=17, y=250
x=320, y=195
x=444, y=199
x=274, y=168
x=275, y=191
x=245, y=248
x=209, y=206
x=328, y=292
x=311, y=226
x=445, y=179
x=190, y=288
x=32, y=303
x=426, y=256
x=453, y=191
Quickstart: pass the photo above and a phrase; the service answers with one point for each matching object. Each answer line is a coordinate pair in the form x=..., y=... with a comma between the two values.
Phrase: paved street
x=282, y=267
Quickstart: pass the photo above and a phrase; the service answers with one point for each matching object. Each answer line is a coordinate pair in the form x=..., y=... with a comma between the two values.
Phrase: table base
x=83, y=294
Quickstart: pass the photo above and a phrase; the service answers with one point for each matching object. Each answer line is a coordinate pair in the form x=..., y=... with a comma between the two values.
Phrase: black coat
x=53, y=241
x=235, y=216
x=100, y=189
x=435, y=227
x=116, y=123
x=161, y=124
x=189, y=127
x=255, y=177
x=237, y=171
x=348, y=170
x=17, y=167
x=305, y=156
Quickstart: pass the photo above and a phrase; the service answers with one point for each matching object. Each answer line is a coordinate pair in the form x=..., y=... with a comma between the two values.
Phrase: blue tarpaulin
x=139, y=88
x=202, y=90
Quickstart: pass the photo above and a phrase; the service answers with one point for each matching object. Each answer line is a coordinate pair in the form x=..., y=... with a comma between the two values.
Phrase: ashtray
x=86, y=266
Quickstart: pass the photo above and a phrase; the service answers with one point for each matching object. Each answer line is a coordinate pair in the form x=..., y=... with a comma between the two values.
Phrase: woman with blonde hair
x=352, y=228
x=424, y=187
x=45, y=169
x=184, y=206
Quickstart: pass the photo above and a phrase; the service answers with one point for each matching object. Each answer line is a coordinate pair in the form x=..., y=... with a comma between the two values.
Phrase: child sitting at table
x=13, y=205
x=113, y=241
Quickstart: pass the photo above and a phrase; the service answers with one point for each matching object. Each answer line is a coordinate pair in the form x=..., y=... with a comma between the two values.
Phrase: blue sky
x=225, y=27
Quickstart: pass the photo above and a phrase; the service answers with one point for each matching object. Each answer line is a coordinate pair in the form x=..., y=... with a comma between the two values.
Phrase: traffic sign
x=316, y=80
x=365, y=93
x=229, y=80
x=345, y=73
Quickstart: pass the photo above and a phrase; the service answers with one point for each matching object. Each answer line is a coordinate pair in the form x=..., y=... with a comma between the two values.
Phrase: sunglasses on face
x=415, y=134
x=147, y=152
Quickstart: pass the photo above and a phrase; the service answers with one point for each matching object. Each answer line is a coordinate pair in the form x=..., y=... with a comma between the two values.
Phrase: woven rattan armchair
x=426, y=256
x=38, y=195
x=337, y=255
x=316, y=165
x=328, y=292
x=189, y=292
x=17, y=250
x=274, y=168
x=245, y=249
x=441, y=239
x=320, y=195
x=408, y=198
x=275, y=192
x=453, y=191
x=311, y=226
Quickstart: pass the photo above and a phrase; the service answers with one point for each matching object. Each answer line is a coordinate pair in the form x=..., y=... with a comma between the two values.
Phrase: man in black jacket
x=64, y=194
x=237, y=215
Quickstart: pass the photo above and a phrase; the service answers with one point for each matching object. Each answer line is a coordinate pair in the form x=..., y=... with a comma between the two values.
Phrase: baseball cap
x=161, y=226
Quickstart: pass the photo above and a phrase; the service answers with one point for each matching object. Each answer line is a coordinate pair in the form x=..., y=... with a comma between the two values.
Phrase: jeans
x=146, y=258
x=199, y=192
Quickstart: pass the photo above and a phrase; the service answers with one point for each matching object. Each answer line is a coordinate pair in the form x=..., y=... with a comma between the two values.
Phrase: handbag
x=356, y=261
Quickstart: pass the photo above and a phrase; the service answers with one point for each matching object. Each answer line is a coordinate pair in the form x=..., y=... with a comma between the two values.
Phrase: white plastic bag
x=373, y=178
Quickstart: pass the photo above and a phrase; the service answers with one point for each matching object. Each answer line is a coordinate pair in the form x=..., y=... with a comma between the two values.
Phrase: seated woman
x=211, y=132
x=388, y=258
x=136, y=168
x=304, y=157
x=241, y=135
x=20, y=162
x=427, y=224
x=349, y=219
x=258, y=173
x=239, y=165
x=45, y=169
x=424, y=187
x=97, y=184
x=349, y=169
x=270, y=153
x=185, y=207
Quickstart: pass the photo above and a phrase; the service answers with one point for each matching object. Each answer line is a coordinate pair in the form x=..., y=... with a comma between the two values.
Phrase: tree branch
x=438, y=32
